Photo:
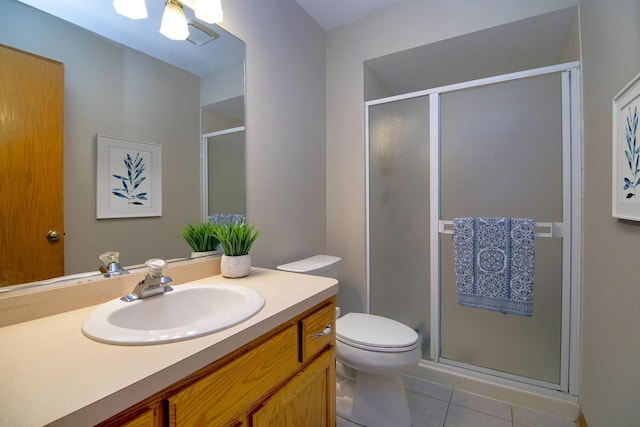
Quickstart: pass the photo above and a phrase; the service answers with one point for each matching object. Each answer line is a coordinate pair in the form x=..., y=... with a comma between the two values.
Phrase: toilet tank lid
x=311, y=265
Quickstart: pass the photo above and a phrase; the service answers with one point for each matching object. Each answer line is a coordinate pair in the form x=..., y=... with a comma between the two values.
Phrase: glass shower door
x=398, y=213
x=501, y=155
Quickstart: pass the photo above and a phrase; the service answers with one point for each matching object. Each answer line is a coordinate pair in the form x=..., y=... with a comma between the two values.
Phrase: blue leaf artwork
x=632, y=154
x=135, y=168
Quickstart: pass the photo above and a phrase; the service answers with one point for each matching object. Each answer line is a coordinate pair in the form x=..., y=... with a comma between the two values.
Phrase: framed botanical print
x=129, y=180
x=626, y=153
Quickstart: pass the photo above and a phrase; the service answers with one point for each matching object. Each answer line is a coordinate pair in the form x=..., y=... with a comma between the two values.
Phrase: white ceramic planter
x=235, y=266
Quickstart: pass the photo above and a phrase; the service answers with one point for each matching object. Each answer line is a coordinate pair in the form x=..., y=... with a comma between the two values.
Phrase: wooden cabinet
x=148, y=418
x=141, y=415
x=303, y=400
x=225, y=396
x=285, y=378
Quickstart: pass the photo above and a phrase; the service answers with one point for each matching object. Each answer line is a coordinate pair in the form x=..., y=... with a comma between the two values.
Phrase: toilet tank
x=319, y=265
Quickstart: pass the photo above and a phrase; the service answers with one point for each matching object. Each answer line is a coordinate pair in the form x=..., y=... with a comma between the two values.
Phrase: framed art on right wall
x=626, y=153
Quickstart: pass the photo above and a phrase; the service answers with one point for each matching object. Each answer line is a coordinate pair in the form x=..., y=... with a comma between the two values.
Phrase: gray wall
x=610, y=391
x=285, y=119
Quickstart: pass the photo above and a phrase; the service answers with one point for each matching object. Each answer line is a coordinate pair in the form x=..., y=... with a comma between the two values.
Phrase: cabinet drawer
x=317, y=331
x=221, y=398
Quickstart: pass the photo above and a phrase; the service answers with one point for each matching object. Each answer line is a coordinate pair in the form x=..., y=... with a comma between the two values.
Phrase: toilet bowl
x=378, y=350
x=371, y=354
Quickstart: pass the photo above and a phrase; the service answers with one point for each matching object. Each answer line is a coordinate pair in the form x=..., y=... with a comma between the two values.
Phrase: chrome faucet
x=111, y=260
x=153, y=284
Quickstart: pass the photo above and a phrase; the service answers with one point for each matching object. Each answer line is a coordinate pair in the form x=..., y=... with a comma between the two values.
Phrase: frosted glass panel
x=399, y=212
x=226, y=165
x=501, y=155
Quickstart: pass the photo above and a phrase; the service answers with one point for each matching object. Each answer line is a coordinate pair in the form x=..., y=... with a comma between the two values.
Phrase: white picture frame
x=626, y=153
x=129, y=178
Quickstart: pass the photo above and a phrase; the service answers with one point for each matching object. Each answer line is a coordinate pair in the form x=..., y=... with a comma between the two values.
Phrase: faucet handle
x=155, y=283
x=110, y=257
x=110, y=260
x=156, y=267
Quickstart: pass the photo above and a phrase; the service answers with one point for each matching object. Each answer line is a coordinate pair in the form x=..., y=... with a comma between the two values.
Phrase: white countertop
x=52, y=374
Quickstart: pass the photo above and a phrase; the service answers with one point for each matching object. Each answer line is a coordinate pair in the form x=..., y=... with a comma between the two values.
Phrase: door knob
x=53, y=236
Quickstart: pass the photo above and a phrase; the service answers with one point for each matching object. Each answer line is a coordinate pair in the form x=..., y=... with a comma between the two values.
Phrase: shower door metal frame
x=569, y=229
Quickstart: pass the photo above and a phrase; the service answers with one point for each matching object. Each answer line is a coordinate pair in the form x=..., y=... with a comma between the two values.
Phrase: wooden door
x=31, y=167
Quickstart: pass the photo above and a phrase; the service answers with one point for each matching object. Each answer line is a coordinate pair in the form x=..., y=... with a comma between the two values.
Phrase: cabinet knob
x=326, y=331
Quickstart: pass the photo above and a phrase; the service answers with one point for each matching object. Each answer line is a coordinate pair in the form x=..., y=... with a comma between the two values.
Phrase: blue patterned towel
x=226, y=218
x=494, y=263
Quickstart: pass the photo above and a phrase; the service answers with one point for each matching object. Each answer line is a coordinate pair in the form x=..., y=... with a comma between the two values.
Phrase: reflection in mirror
x=123, y=79
x=222, y=144
x=223, y=152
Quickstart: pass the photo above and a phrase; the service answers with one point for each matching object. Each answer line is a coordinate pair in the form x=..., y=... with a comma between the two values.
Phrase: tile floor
x=436, y=405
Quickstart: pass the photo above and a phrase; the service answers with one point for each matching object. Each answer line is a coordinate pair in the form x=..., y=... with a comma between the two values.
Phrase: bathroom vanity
x=286, y=378
x=276, y=368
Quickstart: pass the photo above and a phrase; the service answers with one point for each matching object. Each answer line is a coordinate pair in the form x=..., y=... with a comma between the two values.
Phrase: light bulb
x=133, y=9
x=209, y=11
x=174, y=24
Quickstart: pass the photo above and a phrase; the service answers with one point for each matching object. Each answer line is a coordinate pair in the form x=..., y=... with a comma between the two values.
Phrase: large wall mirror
x=125, y=80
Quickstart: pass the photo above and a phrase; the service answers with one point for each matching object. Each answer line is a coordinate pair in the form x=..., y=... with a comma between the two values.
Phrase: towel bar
x=550, y=229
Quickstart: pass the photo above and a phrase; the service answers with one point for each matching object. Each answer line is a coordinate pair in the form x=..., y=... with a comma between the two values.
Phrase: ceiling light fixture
x=133, y=9
x=200, y=34
x=209, y=11
x=174, y=23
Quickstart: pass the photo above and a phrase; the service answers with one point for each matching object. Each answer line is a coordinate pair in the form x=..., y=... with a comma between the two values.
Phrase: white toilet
x=371, y=352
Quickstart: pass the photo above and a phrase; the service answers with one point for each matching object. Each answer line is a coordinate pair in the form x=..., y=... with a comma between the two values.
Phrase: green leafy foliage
x=236, y=238
x=200, y=237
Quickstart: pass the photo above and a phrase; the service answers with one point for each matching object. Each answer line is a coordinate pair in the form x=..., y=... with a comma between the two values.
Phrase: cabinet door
x=307, y=400
x=149, y=418
x=225, y=397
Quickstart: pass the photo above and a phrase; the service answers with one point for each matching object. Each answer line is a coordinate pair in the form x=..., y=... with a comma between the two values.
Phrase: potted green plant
x=201, y=238
x=236, y=240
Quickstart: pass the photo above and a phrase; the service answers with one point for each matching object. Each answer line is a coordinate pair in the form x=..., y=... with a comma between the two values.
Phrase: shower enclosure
x=505, y=146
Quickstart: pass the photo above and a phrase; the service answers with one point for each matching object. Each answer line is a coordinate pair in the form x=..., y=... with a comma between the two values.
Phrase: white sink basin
x=187, y=312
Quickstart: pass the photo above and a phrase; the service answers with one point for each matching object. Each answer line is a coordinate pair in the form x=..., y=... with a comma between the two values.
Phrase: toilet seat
x=375, y=333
